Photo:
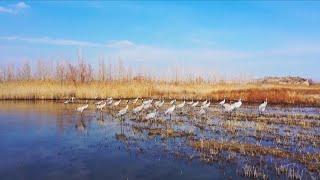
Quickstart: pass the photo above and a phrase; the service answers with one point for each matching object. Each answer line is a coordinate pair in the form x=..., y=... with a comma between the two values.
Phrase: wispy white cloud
x=115, y=44
x=152, y=53
x=14, y=8
x=21, y=5
x=120, y=44
x=141, y=52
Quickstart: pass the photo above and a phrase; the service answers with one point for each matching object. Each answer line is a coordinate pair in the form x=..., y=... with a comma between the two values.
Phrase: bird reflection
x=81, y=126
x=100, y=119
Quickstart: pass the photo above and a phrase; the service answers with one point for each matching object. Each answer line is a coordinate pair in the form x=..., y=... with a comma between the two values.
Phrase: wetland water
x=50, y=140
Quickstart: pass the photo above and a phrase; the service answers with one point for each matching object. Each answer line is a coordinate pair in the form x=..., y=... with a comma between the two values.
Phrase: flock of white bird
x=148, y=104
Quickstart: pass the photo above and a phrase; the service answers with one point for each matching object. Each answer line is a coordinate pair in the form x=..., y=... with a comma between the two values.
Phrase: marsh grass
x=254, y=93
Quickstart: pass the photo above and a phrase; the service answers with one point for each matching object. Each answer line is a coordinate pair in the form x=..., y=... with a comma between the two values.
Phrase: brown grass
x=310, y=160
x=278, y=94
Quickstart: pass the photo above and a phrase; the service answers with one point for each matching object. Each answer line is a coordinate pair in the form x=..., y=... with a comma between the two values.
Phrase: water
x=50, y=140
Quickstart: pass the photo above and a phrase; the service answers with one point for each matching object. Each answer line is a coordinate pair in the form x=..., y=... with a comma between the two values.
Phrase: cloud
x=114, y=44
x=146, y=53
x=21, y=5
x=140, y=52
x=120, y=44
x=15, y=8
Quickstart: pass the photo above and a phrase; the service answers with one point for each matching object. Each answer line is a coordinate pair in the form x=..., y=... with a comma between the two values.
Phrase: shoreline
x=213, y=103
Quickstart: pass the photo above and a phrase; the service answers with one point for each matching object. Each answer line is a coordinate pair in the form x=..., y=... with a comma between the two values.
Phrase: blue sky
x=227, y=38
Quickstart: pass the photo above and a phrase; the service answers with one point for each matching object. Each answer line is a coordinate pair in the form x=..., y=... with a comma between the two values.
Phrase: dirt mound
x=285, y=80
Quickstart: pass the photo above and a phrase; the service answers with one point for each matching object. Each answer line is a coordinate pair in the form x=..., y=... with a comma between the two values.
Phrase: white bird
x=202, y=111
x=99, y=102
x=82, y=108
x=263, y=106
x=67, y=101
x=116, y=103
x=147, y=101
x=222, y=102
x=160, y=104
x=147, y=106
x=101, y=105
x=181, y=105
x=109, y=102
x=195, y=104
x=123, y=111
x=170, y=110
x=205, y=105
x=135, y=101
x=157, y=102
x=204, y=102
x=72, y=99
x=152, y=115
x=237, y=104
x=190, y=102
x=109, y=98
x=228, y=107
x=138, y=109
x=173, y=101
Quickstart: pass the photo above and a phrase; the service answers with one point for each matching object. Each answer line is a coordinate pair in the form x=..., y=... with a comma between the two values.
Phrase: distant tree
x=61, y=73
x=102, y=70
x=9, y=74
x=25, y=72
x=72, y=73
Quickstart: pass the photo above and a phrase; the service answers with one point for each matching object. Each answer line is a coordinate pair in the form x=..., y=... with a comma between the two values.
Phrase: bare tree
x=9, y=72
x=43, y=70
x=102, y=70
x=25, y=72
x=72, y=73
x=61, y=73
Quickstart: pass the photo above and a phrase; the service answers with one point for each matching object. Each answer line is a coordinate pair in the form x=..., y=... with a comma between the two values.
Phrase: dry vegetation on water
x=82, y=81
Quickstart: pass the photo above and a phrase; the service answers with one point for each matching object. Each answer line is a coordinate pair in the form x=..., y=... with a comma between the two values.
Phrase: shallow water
x=50, y=140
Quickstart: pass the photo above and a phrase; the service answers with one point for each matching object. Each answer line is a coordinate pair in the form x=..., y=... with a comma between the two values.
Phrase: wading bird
x=67, y=101
x=195, y=104
x=170, y=110
x=123, y=111
x=204, y=102
x=202, y=111
x=157, y=103
x=138, y=109
x=222, y=102
x=82, y=108
x=109, y=101
x=147, y=101
x=205, y=105
x=263, y=106
x=190, y=102
x=101, y=105
x=228, y=107
x=147, y=106
x=237, y=104
x=117, y=103
x=179, y=106
x=160, y=104
x=135, y=101
x=151, y=115
x=173, y=101
x=99, y=102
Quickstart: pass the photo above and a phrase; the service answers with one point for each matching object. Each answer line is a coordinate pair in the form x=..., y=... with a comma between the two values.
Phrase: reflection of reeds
x=37, y=89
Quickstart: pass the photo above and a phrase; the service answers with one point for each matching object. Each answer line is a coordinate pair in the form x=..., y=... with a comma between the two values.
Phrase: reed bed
x=253, y=93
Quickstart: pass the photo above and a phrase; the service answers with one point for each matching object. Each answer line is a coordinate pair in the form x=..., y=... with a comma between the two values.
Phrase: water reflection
x=217, y=145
